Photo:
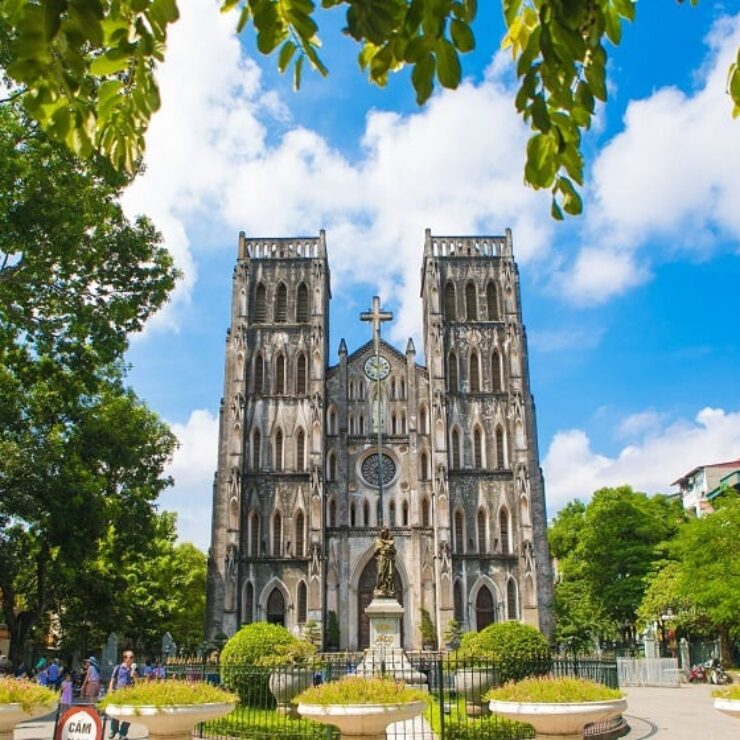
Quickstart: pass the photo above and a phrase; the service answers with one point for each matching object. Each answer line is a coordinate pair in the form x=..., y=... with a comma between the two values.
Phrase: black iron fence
x=456, y=709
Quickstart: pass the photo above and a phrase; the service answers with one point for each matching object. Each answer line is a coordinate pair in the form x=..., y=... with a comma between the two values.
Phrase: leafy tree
x=667, y=605
x=709, y=557
x=85, y=68
x=605, y=551
x=80, y=456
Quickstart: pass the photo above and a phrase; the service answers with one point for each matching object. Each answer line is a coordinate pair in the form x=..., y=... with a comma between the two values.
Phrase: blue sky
x=631, y=310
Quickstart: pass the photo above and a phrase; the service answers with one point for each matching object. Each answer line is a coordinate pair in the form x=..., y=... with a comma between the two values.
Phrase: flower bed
x=168, y=694
x=26, y=693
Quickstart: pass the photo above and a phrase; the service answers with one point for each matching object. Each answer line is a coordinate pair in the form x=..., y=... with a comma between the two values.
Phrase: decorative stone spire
x=342, y=348
x=410, y=348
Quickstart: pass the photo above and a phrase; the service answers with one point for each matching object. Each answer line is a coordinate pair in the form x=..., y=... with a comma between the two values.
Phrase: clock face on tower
x=369, y=469
x=377, y=368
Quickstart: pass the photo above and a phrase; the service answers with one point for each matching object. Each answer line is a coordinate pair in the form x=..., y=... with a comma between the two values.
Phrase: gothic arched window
x=504, y=531
x=276, y=607
x=477, y=448
x=277, y=535
x=254, y=534
x=331, y=466
x=365, y=514
x=301, y=304
x=352, y=516
x=281, y=304
x=392, y=514
x=300, y=375
x=426, y=519
x=482, y=527
x=260, y=305
x=404, y=514
x=332, y=513
x=423, y=420
x=302, y=602
x=332, y=421
x=300, y=537
x=402, y=389
x=403, y=422
x=256, y=450
x=492, y=301
x=300, y=451
x=471, y=302
x=278, y=462
x=456, y=458
x=450, y=314
x=423, y=466
x=474, y=374
x=452, y=384
x=394, y=425
x=512, y=602
x=393, y=388
x=500, y=449
x=459, y=543
x=248, y=615
x=259, y=375
x=457, y=600
x=280, y=375
x=485, y=612
x=496, y=375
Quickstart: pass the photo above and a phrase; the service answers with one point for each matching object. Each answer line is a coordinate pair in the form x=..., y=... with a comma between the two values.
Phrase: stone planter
x=286, y=683
x=169, y=723
x=730, y=707
x=367, y=721
x=472, y=683
x=561, y=721
x=13, y=714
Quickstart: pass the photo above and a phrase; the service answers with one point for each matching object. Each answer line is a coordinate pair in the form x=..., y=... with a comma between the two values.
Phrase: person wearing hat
x=91, y=684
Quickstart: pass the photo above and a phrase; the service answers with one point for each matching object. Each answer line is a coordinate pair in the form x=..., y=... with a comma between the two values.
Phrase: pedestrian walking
x=91, y=683
x=123, y=675
x=66, y=696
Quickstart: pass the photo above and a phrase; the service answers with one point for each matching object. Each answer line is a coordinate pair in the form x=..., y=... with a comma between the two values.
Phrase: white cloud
x=651, y=463
x=671, y=174
x=571, y=338
x=455, y=166
x=640, y=423
x=192, y=468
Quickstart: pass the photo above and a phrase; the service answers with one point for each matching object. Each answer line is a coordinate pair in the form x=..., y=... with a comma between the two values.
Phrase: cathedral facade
x=301, y=489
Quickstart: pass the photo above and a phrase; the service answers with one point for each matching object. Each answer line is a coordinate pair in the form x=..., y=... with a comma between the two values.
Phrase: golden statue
x=385, y=558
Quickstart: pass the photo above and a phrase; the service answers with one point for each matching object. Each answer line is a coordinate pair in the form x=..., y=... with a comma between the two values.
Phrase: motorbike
x=697, y=674
x=716, y=673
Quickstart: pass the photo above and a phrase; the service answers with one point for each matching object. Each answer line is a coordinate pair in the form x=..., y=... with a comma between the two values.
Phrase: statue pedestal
x=385, y=655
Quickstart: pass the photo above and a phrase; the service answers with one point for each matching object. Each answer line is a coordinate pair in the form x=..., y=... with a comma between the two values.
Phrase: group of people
x=57, y=676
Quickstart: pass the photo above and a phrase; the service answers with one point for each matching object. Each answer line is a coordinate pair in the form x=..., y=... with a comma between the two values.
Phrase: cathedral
x=316, y=453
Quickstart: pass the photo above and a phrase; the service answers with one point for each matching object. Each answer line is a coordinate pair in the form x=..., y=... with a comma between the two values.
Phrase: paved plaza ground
x=685, y=713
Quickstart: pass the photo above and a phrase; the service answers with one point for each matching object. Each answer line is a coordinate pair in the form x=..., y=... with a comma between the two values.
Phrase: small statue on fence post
x=385, y=558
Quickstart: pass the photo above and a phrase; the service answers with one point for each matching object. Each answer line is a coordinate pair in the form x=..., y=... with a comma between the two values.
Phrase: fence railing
x=456, y=709
x=649, y=672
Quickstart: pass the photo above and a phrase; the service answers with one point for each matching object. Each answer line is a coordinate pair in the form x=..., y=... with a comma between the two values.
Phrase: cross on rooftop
x=376, y=316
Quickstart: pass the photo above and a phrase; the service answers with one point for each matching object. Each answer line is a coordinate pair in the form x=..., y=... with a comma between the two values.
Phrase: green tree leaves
x=84, y=69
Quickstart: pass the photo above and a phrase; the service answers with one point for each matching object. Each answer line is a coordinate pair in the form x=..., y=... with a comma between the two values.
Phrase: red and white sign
x=79, y=723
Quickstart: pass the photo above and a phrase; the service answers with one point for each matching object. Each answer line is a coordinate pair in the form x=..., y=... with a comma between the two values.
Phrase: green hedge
x=242, y=652
x=490, y=727
x=517, y=650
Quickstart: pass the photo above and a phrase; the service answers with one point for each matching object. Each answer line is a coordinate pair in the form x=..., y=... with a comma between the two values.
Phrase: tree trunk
x=725, y=646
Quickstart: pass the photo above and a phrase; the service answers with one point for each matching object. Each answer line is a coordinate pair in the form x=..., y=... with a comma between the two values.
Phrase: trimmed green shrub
x=517, y=650
x=244, y=656
x=265, y=724
x=549, y=690
x=168, y=694
x=358, y=690
x=489, y=727
x=26, y=693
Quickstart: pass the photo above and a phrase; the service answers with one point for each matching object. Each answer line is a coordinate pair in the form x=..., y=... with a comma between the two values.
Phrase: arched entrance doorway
x=365, y=589
x=276, y=607
x=485, y=612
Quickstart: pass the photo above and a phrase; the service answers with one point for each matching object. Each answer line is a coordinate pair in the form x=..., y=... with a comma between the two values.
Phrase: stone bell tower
x=267, y=538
